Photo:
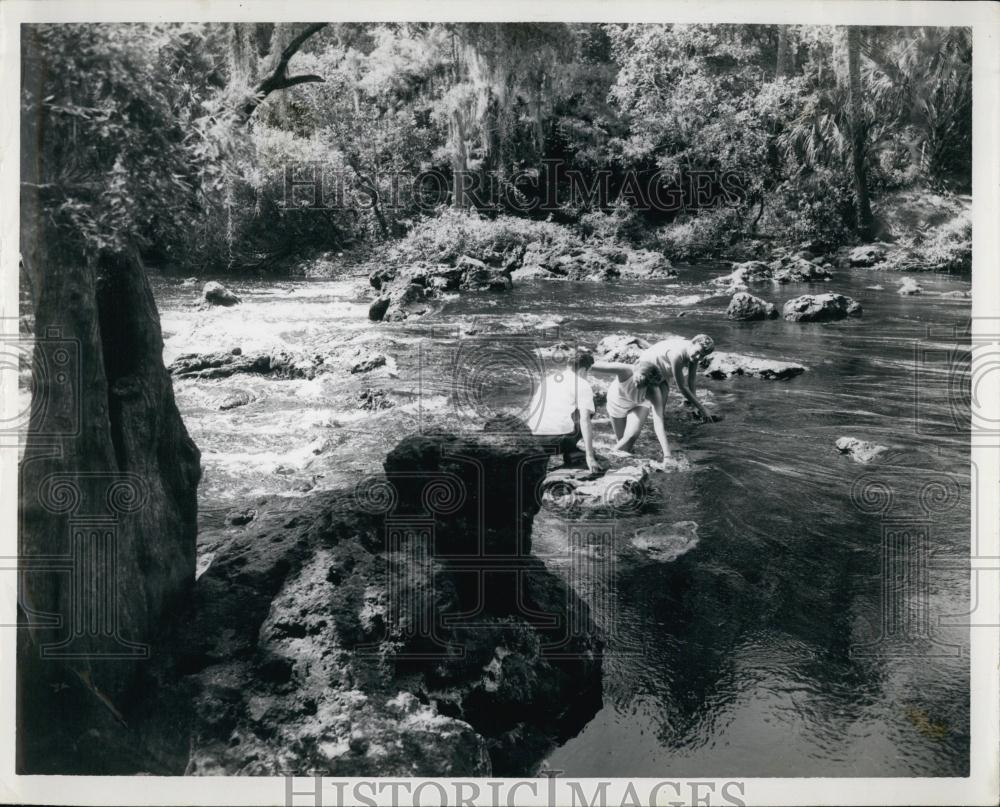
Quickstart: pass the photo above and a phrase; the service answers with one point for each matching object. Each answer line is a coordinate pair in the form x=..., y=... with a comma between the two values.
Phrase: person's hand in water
x=706, y=417
x=595, y=464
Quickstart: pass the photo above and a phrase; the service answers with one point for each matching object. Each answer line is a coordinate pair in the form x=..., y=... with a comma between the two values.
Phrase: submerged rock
x=721, y=364
x=665, y=542
x=217, y=294
x=578, y=492
x=237, y=399
x=860, y=451
x=908, y=286
x=820, y=308
x=745, y=306
x=958, y=294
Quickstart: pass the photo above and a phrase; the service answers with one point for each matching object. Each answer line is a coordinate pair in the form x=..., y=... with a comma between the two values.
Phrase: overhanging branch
x=278, y=78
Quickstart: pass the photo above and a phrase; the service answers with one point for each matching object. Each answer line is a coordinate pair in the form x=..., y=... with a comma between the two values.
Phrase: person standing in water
x=633, y=396
x=678, y=358
x=561, y=410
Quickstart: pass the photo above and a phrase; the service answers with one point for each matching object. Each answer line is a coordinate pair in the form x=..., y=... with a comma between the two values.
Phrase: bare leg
x=618, y=424
x=634, y=420
x=664, y=389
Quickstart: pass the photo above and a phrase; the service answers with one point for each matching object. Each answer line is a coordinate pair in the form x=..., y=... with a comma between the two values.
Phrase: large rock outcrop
x=402, y=628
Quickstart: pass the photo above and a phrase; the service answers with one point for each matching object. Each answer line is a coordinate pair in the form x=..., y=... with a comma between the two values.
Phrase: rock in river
x=666, y=542
x=239, y=398
x=800, y=270
x=279, y=364
x=745, y=306
x=577, y=491
x=725, y=365
x=820, y=308
x=866, y=255
x=367, y=363
x=860, y=451
x=217, y=294
x=908, y=286
x=619, y=347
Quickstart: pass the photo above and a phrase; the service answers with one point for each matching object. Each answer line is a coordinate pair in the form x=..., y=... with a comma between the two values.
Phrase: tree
x=121, y=139
x=275, y=72
x=858, y=129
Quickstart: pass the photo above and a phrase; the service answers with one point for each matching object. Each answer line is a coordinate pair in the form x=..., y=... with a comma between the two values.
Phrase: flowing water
x=798, y=614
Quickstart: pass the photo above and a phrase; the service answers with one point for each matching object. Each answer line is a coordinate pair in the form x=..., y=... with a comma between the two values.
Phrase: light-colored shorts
x=622, y=399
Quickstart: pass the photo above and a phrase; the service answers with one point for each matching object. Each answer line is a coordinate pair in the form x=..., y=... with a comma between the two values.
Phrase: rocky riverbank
x=294, y=395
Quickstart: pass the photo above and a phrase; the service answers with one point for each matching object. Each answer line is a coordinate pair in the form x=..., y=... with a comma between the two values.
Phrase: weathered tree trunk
x=108, y=508
x=859, y=132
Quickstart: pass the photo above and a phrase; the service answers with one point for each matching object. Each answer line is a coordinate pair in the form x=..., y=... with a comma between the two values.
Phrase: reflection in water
x=750, y=653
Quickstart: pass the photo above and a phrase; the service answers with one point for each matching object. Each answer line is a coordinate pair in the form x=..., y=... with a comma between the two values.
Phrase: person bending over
x=561, y=410
x=678, y=358
x=633, y=396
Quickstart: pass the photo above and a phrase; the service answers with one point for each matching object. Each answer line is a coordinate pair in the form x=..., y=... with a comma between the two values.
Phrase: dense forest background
x=186, y=141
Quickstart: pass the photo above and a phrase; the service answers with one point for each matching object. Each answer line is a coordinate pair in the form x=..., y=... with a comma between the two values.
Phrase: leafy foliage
x=139, y=145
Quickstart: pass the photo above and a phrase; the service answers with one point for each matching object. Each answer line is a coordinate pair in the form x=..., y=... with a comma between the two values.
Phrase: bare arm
x=656, y=398
x=685, y=382
x=587, y=430
x=621, y=371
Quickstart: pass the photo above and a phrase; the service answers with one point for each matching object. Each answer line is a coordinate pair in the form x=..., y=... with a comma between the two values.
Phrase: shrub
x=450, y=233
x=620, y=224
x=702, y=235
x=817, y=205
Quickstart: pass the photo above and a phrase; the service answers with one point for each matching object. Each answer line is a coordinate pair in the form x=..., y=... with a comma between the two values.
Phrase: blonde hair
x=706, y=342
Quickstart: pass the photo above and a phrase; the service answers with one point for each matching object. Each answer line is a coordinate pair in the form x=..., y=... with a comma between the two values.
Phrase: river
x=754, y=649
